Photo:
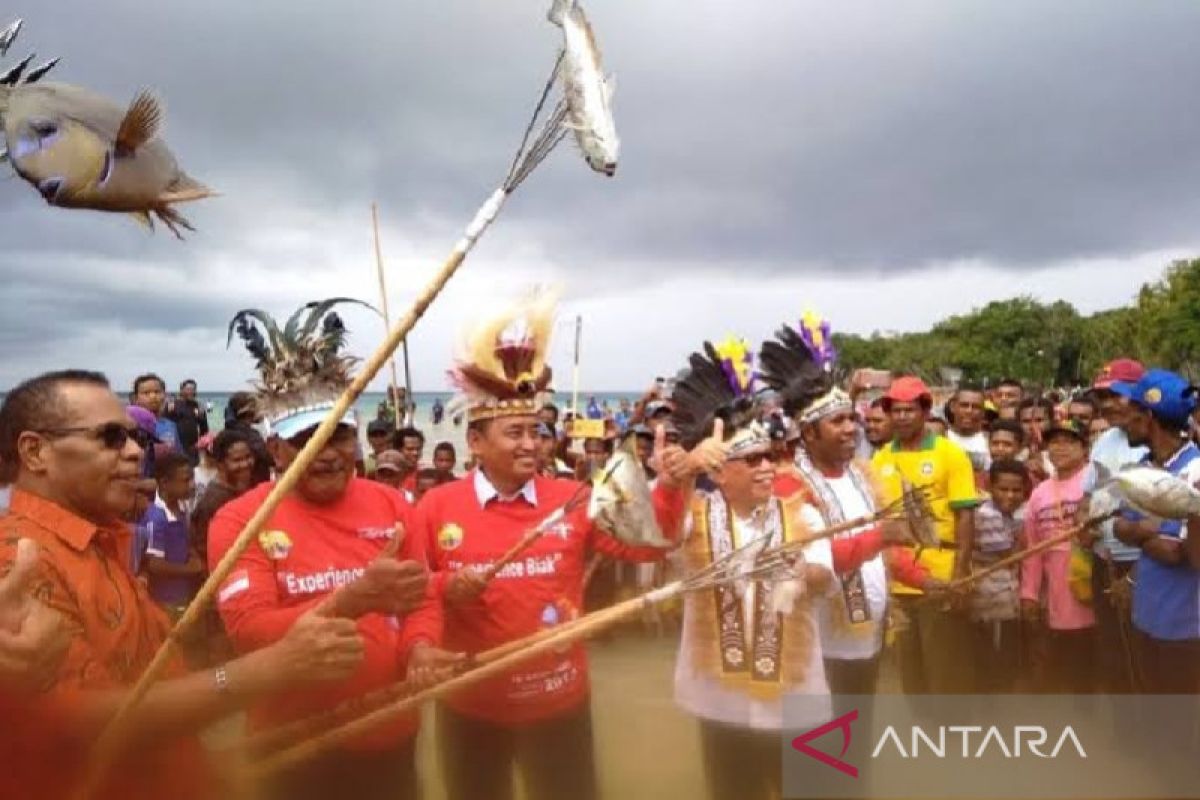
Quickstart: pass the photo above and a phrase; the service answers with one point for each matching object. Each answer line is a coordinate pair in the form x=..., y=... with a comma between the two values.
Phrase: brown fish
x=80, y=150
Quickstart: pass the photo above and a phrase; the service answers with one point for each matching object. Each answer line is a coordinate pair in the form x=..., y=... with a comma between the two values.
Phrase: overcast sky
x=886, y=164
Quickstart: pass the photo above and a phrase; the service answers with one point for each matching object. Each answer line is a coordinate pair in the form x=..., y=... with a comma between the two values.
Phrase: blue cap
x=1167, y=395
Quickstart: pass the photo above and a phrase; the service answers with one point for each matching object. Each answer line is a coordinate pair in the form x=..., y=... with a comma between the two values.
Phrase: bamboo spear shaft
x=562, y=636
x=274, y=738
x=488, y=664
x=387, y=322
x=1018, y=557
x=111, y=737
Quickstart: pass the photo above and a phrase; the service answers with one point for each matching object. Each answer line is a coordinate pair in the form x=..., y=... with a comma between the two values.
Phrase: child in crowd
x=171, y=563
x=1059, y=579
x=994, y=601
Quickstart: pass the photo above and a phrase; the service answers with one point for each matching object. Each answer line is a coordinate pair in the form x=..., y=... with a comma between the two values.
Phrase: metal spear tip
x=37, y=74
x=9, y=35
x=11, y=77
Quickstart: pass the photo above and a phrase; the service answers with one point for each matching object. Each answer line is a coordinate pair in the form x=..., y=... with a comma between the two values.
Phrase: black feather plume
x=788, y=367
x=252, y=337
x=703, y=394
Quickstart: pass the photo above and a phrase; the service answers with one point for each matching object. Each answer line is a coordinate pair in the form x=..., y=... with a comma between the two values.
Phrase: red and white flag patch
x=237, y=582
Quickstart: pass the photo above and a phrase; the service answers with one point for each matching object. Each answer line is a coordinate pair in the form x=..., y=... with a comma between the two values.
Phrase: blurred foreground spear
x=534, y=148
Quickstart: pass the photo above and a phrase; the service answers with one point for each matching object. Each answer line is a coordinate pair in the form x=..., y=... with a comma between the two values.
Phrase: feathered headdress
x=501, y=368
x=301, y=367
x=798, y=367
x=719, y=385
x=816, y=333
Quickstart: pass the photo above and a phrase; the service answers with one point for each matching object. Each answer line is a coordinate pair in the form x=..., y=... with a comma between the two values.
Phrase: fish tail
x=185, y=189
x=558, y=11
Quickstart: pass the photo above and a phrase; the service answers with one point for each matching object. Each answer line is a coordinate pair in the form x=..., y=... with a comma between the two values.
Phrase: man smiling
x=339, y=544
x=535, y=718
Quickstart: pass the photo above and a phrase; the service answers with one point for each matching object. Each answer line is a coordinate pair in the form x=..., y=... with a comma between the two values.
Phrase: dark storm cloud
x=756, y=136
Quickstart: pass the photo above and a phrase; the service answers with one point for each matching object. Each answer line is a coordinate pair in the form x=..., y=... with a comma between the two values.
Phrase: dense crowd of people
x=380, y=566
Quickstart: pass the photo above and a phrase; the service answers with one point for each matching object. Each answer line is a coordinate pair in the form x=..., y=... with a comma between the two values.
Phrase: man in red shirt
x=537, y=717
x=343, y=545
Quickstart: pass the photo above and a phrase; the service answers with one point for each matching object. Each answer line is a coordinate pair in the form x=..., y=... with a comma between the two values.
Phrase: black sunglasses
x=752, y=459
x=113, y=435
x=341, y=435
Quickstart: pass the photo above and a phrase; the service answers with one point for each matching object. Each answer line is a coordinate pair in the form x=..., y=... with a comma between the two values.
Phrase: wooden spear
x=559, y=637
x=387, y=324
x=112, y=737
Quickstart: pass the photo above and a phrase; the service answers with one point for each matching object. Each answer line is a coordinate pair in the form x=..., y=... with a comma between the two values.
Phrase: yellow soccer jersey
x=943, y=466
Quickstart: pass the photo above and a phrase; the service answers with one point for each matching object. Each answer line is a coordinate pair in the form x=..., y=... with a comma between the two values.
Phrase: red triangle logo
x=842, y=723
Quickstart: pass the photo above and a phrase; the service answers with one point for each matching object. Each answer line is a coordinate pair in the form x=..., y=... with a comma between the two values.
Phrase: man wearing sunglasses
x=741, y=655
x=69, y=448
x=339, y=543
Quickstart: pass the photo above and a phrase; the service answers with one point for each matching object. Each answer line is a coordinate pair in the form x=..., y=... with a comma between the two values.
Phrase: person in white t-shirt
x=966, y=413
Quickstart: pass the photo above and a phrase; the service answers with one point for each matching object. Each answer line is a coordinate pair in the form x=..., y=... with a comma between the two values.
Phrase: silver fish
x=586, y=91
x=1158, y=493
x=620, y=502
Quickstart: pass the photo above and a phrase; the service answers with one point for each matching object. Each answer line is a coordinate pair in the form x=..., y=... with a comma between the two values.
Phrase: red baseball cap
x=908, y=389
x=1121, y=370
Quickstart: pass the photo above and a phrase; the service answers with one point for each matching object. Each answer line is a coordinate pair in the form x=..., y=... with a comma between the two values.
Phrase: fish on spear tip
x=81, y=150
x=587, y=92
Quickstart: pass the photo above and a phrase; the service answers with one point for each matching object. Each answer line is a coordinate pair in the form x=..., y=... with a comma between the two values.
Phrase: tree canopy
x=1046, y=344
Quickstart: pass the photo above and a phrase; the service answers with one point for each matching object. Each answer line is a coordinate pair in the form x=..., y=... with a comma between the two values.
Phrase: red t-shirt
x=542, y=588
x=305, y=553
x=786, y=484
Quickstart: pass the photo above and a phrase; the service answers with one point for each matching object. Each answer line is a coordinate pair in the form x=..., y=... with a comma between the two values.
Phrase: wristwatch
x=221, y=680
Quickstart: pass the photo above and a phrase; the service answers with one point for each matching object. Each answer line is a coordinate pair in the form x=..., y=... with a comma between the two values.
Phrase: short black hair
x=241, y=403
x=438, y=476
x=149, y=376
x=1007, y=466
x=878, y=403
x=551, y=407
x=407, y=433
x=1008, y=426
x=1011, y=382
x=443, y=447
x=1084, y=400
x=1034, y=402
x=974, y=388
x=225, y=441
x=168, y=465
x=37, y=405
x=186, y=383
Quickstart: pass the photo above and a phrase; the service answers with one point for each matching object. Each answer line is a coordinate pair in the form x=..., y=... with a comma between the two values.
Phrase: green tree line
x=1046, y=344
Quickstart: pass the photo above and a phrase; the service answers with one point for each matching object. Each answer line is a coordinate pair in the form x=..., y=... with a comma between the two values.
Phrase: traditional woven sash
x=769, y=657
x=856, y=610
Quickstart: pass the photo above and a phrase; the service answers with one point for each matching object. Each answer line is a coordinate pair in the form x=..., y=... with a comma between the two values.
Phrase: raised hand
x=33, y=638
x=388, y=586
x=711, y=454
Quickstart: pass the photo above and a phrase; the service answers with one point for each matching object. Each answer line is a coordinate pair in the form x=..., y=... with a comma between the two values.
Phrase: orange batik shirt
x=115, y=629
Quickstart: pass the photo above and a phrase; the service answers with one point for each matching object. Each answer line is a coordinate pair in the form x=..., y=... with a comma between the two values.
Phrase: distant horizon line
x=451, y=392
